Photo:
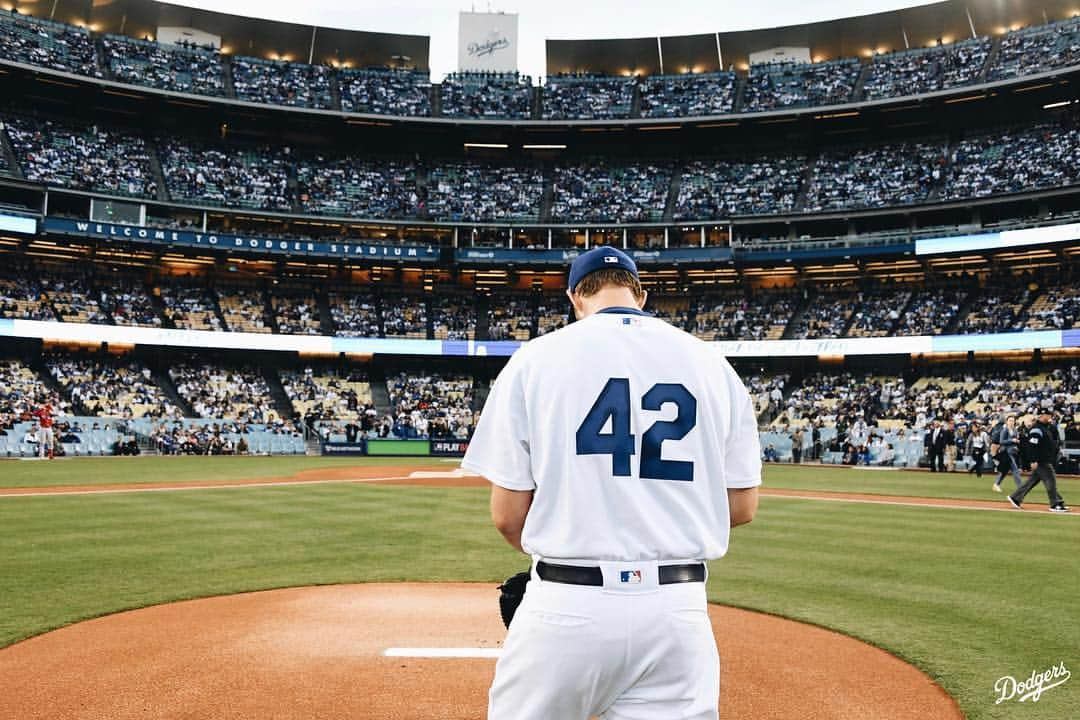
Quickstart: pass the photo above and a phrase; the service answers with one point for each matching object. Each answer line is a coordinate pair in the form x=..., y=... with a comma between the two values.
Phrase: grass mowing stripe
x=924, y=591
x=157, y=469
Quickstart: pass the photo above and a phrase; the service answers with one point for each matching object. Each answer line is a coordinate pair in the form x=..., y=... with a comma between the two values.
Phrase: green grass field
x=967, y=596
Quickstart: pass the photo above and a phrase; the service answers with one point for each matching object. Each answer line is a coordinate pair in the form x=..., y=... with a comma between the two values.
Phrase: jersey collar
x=623, y=311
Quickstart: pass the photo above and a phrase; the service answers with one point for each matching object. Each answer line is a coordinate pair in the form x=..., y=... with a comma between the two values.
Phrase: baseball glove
x=512, y=591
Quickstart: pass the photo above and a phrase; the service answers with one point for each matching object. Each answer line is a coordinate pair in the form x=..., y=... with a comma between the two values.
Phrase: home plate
x=443, y=652
x=455, y=473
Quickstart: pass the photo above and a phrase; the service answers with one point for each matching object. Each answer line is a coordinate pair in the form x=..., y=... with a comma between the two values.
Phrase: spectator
x=489, y=95
x=81, y=157
x=688, y=95
x=382, y=91
x=573, y=96
x=598, y=192
x=168, y=67
x=773, y=86
x=281, y=83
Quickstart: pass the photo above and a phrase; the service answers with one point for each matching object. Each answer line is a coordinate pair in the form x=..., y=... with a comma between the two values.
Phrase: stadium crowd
x=483, y=192
x=490, y=95
x=594, y=190
x=914, y=72
x=774, y=86
x=355, y=187
x=222, y=393
x=716, y=188
x=356, y=315
x=120, y=389
x=166, y=67
x=1037, y=49
x=382, y=91
x=434, y=405
x=48, y=44
x=249, y=177
x=281, y=83
x=835, y=415
x=567, y=96
x=601, y=192
x=883, y=176
x=404, y=315
x=81, y=157
x=688, y=95
x=22, y=298
x=574, y=96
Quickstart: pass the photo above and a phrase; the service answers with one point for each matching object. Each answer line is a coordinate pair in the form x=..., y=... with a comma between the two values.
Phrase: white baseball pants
x=640, y=651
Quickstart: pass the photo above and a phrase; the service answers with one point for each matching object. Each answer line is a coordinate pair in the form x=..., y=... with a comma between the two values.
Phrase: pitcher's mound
x=317, y=652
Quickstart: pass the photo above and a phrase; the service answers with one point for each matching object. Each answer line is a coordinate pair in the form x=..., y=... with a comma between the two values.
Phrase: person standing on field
x=621, y=451
x=47, y=438
x=797, y=439
x=1005, y=449
x=977, y=441
x=1043, y=449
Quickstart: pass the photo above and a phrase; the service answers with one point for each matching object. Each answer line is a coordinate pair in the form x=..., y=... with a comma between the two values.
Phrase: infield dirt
x=317, y=653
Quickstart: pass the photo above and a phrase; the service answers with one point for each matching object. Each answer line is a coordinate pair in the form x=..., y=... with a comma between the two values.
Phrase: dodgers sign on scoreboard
x=487, y=42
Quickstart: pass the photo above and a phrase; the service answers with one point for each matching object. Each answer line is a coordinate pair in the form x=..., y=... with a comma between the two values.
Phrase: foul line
x=443, y=652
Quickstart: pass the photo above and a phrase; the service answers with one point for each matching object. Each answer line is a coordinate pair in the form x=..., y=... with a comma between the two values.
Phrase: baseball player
x=621, y=451
x=44, y=415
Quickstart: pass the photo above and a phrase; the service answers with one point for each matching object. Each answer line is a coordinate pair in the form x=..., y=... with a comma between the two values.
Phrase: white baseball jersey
x=629, y=430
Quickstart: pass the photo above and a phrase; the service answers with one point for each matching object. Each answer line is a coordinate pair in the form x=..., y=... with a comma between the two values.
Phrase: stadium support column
x=510, y=238
x=456, y=235
x=587, y=246
x=624, y=238
x=311, y=49
x=549, y=238
x=666, y=230
x=702, y=236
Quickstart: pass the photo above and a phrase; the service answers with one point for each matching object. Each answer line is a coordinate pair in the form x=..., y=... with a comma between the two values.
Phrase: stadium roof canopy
x=862, y=36
x=239, y=35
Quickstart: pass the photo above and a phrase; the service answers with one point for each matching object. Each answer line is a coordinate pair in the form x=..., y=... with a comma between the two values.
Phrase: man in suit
x=935, y=451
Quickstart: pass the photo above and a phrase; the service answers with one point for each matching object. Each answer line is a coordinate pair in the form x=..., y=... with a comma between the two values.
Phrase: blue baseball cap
x=600, y=258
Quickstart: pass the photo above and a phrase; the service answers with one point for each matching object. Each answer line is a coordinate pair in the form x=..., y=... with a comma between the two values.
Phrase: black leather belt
x=575, y=575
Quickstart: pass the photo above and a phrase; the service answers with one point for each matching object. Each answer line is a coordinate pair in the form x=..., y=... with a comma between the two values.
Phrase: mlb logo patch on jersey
x=631, y=321
x=631, y=577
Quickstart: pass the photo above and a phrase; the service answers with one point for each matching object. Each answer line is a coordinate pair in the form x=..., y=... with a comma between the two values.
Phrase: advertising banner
x=399, y=447
x=449, y=448
x=345, y=448
x=501, y=256
x=240, y=243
